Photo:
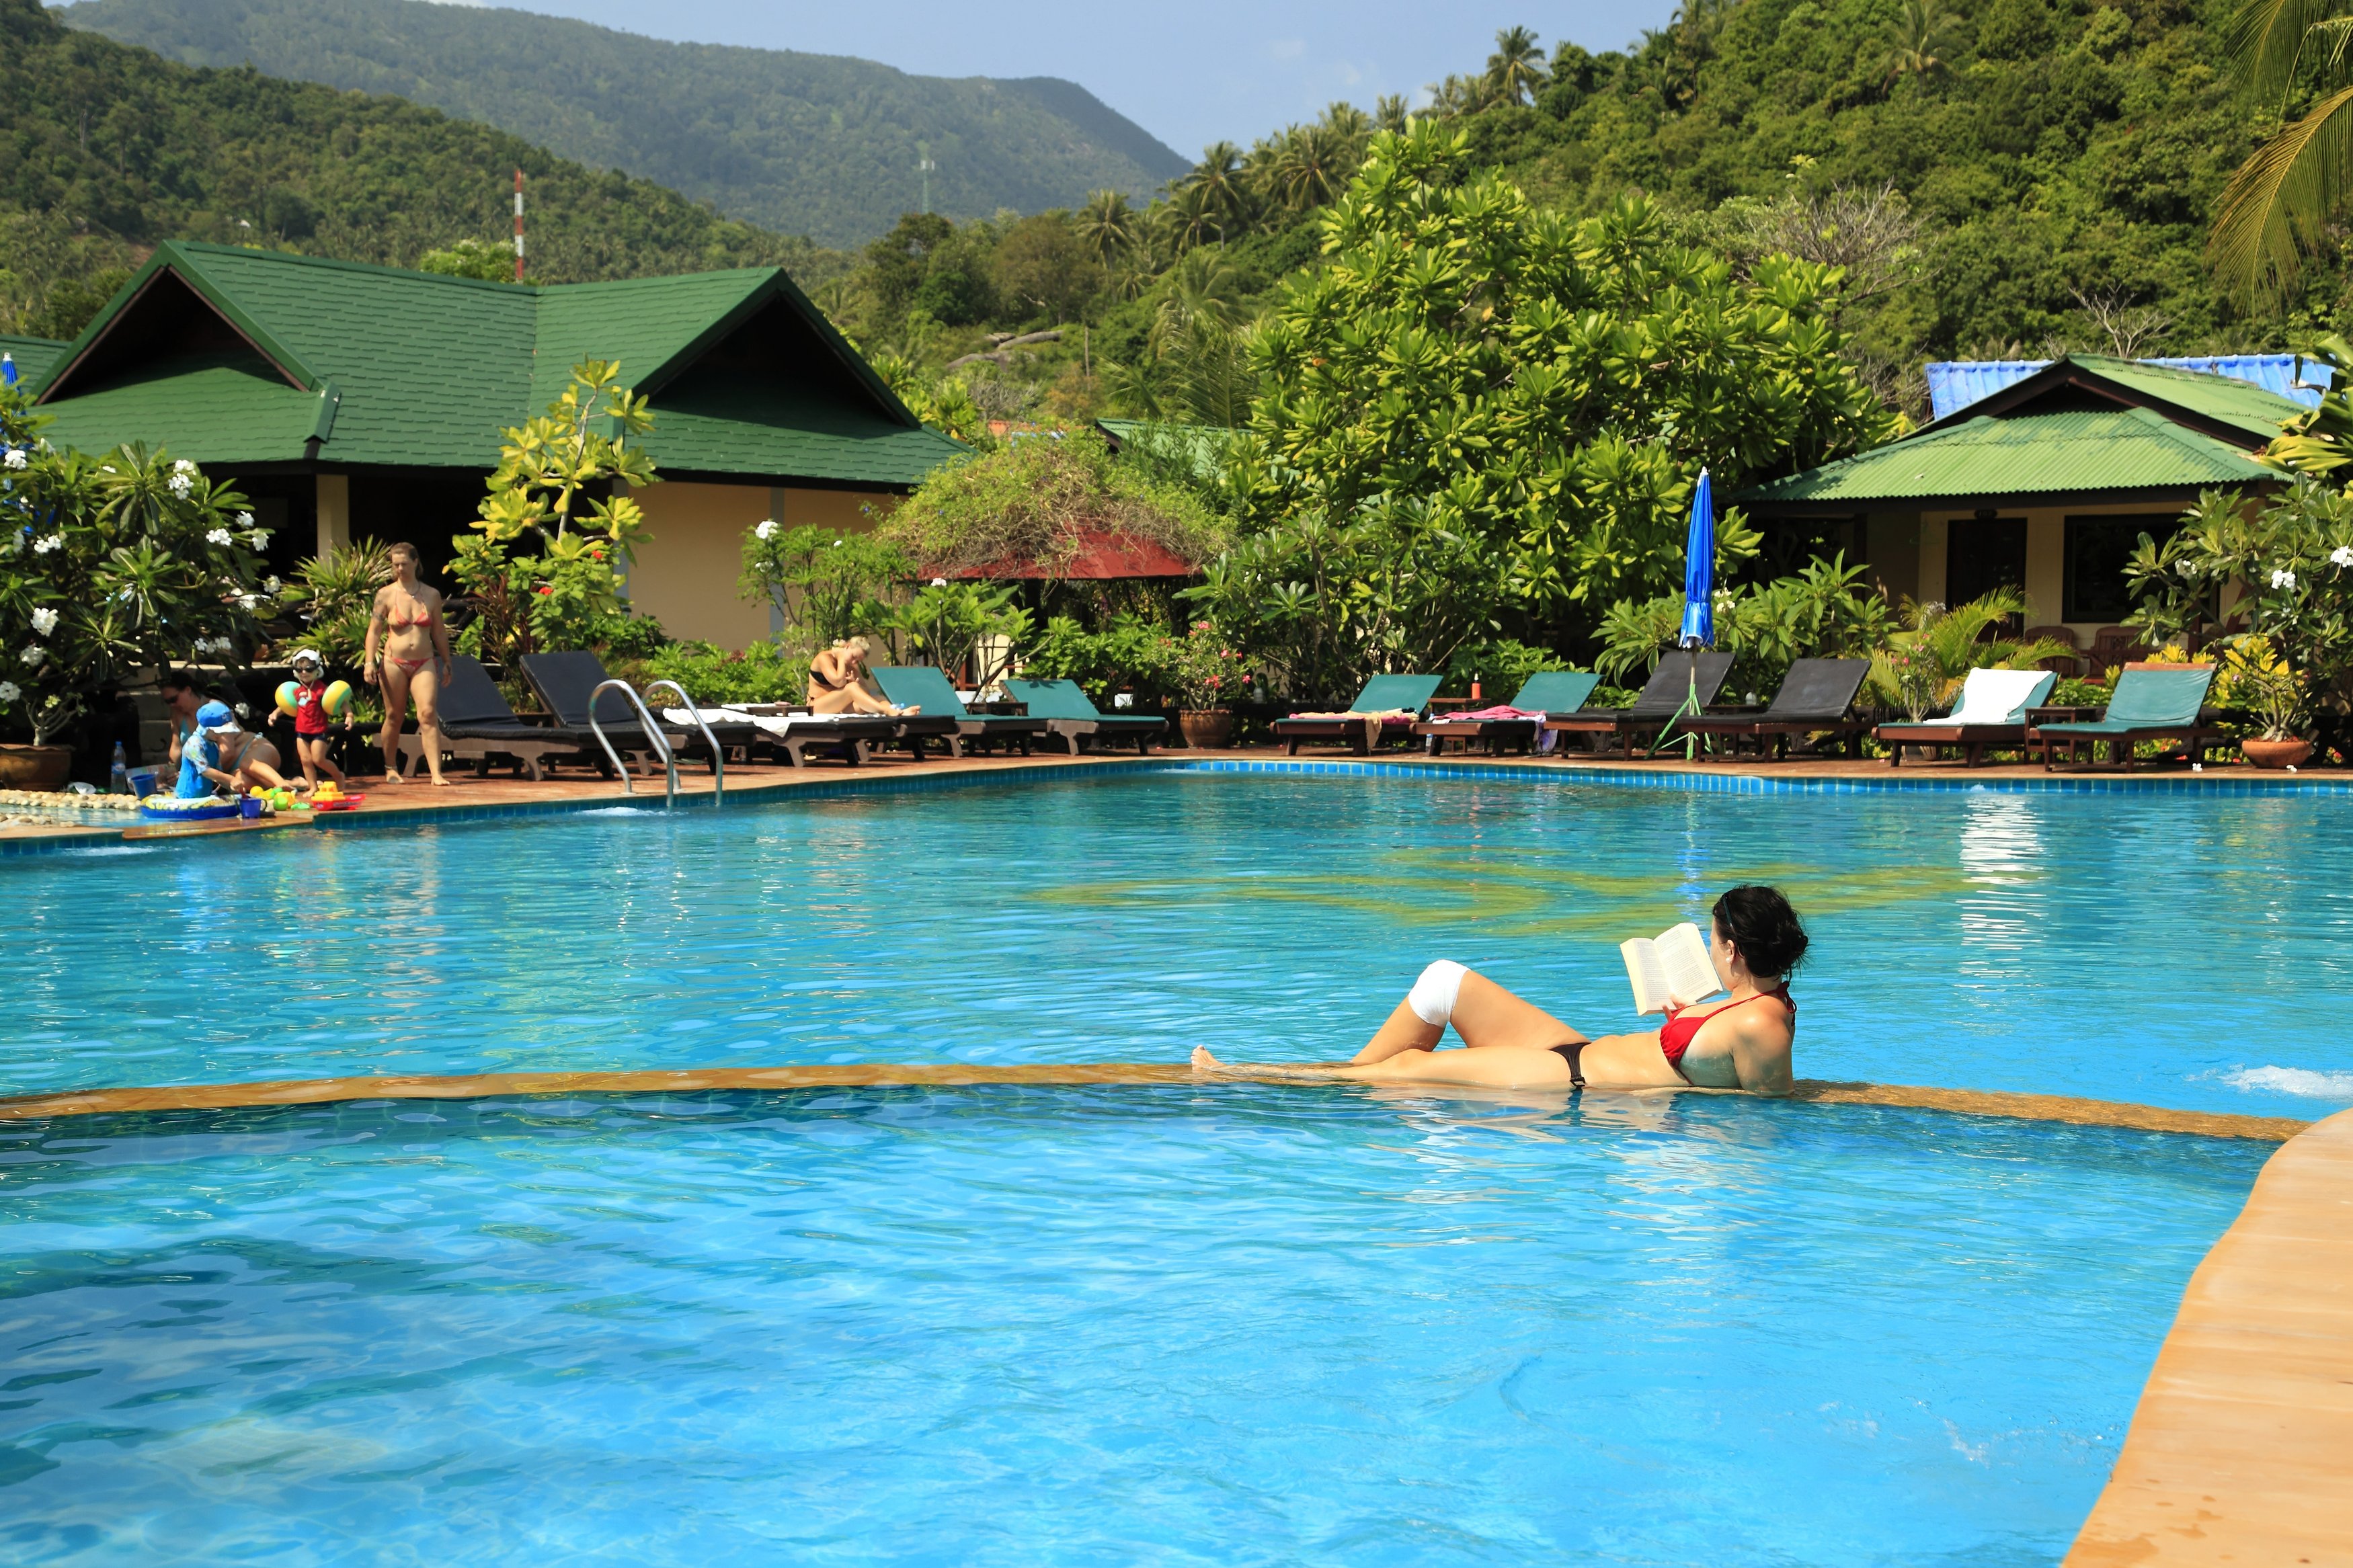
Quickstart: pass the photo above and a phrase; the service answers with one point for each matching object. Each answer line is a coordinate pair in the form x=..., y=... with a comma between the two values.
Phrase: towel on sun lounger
x=1501, y=710
x=1999, y=695
x=1385, y=716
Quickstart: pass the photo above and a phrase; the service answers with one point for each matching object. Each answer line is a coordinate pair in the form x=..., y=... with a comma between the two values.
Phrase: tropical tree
x=1107, y=227
x=1919, y=40
x=1310, y=166
x=2281, y=198
x=1217, y=177
x=1517, y=69
x=1518, y=404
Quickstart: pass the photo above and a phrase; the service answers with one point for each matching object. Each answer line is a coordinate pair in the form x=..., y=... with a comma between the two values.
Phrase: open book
x=1671, y=969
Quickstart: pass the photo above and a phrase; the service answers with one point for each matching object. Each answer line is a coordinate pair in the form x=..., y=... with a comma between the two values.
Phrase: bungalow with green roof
x=353, y=401
x=2044, y=485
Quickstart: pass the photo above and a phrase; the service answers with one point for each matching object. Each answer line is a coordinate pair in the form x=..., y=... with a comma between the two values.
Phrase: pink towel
x=1504, y=710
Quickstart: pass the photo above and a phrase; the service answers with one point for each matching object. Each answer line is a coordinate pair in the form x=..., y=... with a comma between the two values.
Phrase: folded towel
x=1385, y=716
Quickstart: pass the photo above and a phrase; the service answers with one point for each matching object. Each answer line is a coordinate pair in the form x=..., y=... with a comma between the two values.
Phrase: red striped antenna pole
x=518, y=225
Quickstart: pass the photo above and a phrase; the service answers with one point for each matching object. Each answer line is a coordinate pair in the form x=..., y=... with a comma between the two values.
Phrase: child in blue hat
x=200, y=757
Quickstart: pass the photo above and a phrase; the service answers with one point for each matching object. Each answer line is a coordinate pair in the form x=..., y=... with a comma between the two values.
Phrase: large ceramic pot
x=1206, y=729
x=35, y=767
x=2285, y=754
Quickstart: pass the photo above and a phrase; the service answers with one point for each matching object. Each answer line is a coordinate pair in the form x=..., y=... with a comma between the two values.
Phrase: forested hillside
x=2034, y=175
x=111, y=148
x=813, y=144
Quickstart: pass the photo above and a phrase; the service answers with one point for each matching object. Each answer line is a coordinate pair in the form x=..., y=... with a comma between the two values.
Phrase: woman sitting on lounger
x=834, y=682
x=1741, y=1041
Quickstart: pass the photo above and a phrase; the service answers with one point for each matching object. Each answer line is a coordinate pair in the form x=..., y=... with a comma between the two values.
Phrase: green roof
x=33, y=355
x=1987, y=457
x=1204, y=444
x=236, y=356
x=2252, y=408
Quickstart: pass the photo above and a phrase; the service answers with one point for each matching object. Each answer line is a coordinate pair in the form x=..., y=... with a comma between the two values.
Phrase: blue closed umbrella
x=1699, y=570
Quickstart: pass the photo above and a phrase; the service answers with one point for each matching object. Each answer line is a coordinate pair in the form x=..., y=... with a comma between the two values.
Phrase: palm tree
x=1218, y=176
x=1918, y=40
x=1348, y=122
x=1107, y=225
x=1516, y=68
x=2282, y=196
x=1311, y=167
x=1189, y=218
x=1389, y=113
x=1203, y=293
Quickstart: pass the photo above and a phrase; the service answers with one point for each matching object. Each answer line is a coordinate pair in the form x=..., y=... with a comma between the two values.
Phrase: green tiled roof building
x=353, y=401
x=2046, y=485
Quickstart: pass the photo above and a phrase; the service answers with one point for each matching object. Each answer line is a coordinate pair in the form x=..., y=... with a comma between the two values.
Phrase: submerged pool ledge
x=2241, y=1449
x=945, y=1074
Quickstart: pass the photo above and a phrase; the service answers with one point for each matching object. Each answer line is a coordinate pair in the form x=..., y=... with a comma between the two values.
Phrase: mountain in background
x=815, y=144
x=112, y=148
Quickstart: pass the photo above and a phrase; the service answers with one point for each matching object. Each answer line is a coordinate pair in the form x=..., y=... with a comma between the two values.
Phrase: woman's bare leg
x=425, y=686
x=392, y=683
x=1484, y=1014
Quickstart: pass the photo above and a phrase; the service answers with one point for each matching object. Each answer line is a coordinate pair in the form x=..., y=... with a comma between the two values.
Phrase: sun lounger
x=1388, y=704
x=2149, y=704
x=1517, y=723
x=478, y=725
x=1659, y=700
x=1072, y=715
x=1991, y=712
x=1815, y=699
x=791, y=734
x=924, y=686
x=564, y=680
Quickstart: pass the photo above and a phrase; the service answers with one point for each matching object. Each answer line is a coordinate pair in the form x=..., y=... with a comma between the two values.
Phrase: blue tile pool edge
x=1533, y=775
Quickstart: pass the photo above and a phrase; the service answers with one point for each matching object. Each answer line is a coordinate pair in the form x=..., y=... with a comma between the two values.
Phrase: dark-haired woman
x=1741, y=1041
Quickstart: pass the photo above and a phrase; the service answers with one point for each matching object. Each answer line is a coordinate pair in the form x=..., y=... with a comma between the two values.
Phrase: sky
x=1190, y=74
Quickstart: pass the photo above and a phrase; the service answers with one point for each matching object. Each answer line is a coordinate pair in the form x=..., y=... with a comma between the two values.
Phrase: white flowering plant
x=822, y=584
x=2278, y=571
x=112, y=565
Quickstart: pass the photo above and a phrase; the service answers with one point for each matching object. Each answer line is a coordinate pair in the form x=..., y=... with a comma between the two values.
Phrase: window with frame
x=2097, y=551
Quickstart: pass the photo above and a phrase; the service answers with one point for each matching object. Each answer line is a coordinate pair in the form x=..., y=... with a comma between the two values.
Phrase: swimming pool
x=1229, y=1323
x=1238, y=1324
x=2179, y=951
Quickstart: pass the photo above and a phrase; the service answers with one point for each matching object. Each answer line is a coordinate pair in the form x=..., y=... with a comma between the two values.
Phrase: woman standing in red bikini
x=413, y=662
x=1742, y=1042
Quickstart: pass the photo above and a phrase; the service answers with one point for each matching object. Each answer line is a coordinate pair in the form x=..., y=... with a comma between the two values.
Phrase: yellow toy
x=286, y=696
x=337, y=698
x=327, y=790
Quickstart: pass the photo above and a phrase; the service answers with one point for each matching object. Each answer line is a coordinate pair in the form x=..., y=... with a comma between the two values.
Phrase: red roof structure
x=1100, y=557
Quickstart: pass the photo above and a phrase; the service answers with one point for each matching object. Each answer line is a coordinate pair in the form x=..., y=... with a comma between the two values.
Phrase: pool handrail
x=718, y=753
x=653, y=733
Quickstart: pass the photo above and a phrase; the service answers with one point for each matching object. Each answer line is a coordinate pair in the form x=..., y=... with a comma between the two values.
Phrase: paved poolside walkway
x=2241, y=1450
x=420, y=801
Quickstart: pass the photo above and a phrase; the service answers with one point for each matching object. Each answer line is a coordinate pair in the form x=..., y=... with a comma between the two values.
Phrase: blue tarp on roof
x=1956, y=384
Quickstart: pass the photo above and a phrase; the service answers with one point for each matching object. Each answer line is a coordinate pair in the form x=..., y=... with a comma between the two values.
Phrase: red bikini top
x=1675, y=1036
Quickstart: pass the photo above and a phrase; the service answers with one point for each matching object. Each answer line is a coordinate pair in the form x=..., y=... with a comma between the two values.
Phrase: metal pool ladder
x=654, y=736
x=718, y=753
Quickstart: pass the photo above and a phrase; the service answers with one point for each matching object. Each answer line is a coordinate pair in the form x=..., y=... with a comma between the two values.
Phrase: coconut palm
x=1918, y=40
x=1390, y=113
x=1310, y=167
x=1106, y=225
x=2283, y=197
x=1218, y=176
x=1517, y=67
x=1187, y=219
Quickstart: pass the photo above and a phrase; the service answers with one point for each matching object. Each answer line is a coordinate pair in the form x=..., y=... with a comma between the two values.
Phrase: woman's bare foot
x=394, y=776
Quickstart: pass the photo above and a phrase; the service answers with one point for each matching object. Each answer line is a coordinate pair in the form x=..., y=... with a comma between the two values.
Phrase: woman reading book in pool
x=1740, y=1042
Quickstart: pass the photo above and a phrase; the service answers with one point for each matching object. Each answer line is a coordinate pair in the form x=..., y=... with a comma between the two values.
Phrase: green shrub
x=763, y=672
x=1501, y=666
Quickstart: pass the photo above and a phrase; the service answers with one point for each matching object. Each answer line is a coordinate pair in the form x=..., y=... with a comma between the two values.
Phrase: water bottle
x=119, y=782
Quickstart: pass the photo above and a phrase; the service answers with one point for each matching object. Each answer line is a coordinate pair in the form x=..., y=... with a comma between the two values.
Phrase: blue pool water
x=1233, y=1325
x=2183, y=951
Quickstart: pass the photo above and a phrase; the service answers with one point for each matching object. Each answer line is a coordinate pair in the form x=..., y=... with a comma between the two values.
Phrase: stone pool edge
x=936, y=1075
x=2240, y=1450
x=940, y=777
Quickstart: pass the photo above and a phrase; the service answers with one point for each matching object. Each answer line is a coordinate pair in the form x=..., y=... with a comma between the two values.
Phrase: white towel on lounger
x=1999, y=695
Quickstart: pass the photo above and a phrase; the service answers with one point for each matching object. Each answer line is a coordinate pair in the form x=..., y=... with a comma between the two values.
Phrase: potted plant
x=2256, y=679
x=1210, y=675
x=108, y=565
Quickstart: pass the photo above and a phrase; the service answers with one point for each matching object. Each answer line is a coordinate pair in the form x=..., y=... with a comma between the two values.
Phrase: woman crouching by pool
x=1739, y=1043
